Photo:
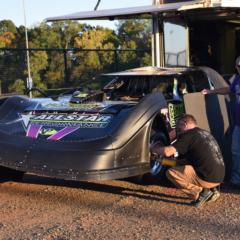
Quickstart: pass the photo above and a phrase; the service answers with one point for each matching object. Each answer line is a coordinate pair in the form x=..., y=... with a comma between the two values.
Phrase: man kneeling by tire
x=202, y=173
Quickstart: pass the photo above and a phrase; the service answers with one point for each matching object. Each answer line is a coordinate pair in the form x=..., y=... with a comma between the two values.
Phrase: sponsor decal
x=62, y=133
x=33, y=130
x=81, y=95
x=51, y=105
x=77, y=106
x=83, y=121
x=88, y=106
x=48, y=131
x=175, y=110
x=56, y=126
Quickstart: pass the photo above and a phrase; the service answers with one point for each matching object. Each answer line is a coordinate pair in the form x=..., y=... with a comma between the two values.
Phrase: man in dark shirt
x=204, y=169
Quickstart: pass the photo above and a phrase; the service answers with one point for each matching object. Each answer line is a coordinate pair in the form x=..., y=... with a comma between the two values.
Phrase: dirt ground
x=42, y=208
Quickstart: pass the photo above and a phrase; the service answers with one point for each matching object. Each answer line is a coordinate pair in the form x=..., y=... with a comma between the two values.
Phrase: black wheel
x=153, y=177
x=157, y=170
x=7, y=174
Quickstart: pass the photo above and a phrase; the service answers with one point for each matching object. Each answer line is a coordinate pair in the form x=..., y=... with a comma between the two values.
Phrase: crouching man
x=202, y=173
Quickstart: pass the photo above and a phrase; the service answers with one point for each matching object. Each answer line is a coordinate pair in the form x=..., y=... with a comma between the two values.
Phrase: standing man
x=234, y=88
x=204, y=169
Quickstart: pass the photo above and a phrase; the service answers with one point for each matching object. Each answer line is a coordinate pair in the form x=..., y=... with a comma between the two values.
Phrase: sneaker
x=215, y=195
x=204, y=195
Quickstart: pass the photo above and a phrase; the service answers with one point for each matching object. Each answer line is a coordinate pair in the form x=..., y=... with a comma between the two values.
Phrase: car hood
x=63, y=121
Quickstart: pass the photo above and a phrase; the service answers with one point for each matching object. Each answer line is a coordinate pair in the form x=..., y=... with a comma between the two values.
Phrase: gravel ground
x=42, y=208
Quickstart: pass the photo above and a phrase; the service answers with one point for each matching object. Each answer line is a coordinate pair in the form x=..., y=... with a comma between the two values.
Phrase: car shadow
x=165, y=193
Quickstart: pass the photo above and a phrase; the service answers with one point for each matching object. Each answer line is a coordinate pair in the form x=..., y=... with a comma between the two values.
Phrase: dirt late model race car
x=103, y=135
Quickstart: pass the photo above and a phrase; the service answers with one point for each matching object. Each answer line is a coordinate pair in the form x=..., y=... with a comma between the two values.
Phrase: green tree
x=39, y=62
x=67, y=31
x=8, y=32
x=48, y=67
x=54, y=73
x=86, y=65
x=58, y=35
x=7, y=26
x=134, y=34
x=11, y=63
x=17, y=87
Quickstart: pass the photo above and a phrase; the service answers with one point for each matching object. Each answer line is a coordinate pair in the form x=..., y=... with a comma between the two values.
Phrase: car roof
x=153, y=71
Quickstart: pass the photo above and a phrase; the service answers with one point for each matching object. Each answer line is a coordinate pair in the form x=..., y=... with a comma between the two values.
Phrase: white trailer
x=185, y=33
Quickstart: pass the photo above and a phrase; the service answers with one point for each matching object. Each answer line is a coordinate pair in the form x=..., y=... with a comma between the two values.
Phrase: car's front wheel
x=156, y=169
x=154, y=175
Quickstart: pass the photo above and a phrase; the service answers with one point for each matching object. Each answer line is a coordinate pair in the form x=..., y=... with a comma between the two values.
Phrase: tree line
x=69, y=50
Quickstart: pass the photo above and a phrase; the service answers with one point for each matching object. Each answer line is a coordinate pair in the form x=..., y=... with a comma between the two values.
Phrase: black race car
x=100, y=135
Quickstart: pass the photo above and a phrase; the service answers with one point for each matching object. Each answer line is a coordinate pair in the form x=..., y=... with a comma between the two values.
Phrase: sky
x=37, y=10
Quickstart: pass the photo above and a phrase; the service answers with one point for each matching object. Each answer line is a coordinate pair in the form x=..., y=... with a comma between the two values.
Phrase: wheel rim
x=155, y=166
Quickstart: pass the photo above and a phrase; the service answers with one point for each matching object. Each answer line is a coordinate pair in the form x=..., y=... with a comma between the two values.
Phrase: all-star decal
x=33, y=130
x=25, y=119
x=57, y=126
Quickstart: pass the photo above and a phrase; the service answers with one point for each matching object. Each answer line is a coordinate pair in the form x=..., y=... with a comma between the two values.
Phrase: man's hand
x=222, y=91
x=206, y=91
x=167, y=151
